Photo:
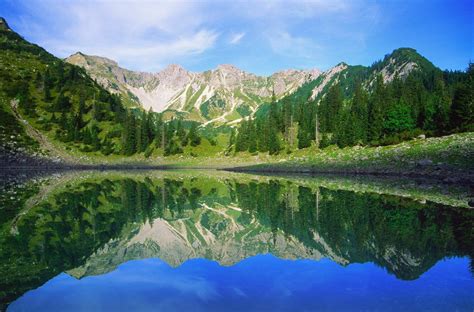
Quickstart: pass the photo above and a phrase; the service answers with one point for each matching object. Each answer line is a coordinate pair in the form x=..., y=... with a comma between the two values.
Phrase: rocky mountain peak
x=228, y=68
x=400, y=63
x=78, y=59
x=84, y=60
x=174, y=68
x=4, y=24
x=174, y=75
x=328, y=77
x=296, y=73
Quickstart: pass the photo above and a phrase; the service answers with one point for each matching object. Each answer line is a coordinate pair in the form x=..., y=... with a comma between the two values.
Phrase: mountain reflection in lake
x=206, y=241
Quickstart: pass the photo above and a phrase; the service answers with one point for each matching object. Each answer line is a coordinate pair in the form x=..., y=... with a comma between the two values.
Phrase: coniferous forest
x=433, y=103
x=62, y=100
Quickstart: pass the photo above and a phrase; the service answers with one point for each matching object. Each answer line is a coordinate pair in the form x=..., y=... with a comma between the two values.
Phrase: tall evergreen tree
x=47, y=85
x=399, y=119
x=376, y=111
x=252, y=137
x=331, y=107
x=359, y=116
x=193, y=136
x=462, y=112
x=129, y=135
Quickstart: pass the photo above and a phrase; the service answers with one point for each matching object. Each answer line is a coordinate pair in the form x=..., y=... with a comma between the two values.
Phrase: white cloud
x=142, y=35
x=147, y=35
x=141, y=54
x=284, y=43
x=315, y=29
x=235, y=38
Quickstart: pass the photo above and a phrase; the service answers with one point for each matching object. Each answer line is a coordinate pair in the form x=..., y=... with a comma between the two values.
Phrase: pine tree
x=129, y=135
x=462, y=110
x=262, y=127
x=325, y=142
x=193, y=136
x=63, y=120
x=359, y=115
x=241, y=142
x=273, y=113
x=273, y=139
x=138, y=134
x=96, y=113
x=181, y=133
x=77, y=124
x=330, y=108
x=62, y=103
x=47, y=85
x=376, y=111
x=399, y=119
x=69, y=127
x=53, y=118
x=231, y=141
x=302, y=130
x=107, y=147
x=95, y=137
x=252, y=137
x=159, y=130
x=86, y=136
x=146, y=131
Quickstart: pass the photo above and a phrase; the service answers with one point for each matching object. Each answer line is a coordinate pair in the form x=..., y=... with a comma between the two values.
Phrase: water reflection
x=90, y=224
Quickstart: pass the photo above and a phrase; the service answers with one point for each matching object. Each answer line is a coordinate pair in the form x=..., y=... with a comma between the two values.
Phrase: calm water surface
x=204, y=241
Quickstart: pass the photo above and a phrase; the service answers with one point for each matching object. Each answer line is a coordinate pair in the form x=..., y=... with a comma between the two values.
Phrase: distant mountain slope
x=395, y=99
x=228, y=93
x=400, y=63
x=224, y=94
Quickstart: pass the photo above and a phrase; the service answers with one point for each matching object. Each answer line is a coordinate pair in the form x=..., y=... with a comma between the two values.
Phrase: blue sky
x=260, y=283
x=258, y=36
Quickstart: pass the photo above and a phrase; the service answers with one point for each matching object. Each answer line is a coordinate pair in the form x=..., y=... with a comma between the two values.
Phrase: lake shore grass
x=447, y=158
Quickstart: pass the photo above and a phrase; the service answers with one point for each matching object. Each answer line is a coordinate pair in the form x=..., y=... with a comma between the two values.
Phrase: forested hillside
x=70, y=108
x=377, y=105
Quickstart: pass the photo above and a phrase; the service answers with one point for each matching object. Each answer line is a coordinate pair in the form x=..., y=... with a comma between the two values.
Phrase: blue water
x=260, y=283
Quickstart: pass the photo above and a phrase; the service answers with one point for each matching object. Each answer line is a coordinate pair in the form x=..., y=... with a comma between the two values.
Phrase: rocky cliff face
x=4, y=25
x=223, y=94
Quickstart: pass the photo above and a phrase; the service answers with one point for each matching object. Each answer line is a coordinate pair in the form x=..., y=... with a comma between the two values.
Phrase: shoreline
x=445, y=159
x=451, y=176
x=444, y=176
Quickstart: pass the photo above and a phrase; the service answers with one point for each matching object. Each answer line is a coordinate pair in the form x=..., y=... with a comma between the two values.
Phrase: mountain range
x=89, y=105
x=227, y=93
x=223, y=94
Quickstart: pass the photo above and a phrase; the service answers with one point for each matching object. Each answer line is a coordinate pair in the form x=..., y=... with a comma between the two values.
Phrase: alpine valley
x=401, y=114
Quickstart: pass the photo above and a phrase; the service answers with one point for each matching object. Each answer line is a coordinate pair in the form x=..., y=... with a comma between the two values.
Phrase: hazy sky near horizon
x=258, y=36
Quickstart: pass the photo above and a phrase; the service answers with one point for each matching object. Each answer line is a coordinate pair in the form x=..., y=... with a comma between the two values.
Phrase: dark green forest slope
x=373, y=105
x=71, y=109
